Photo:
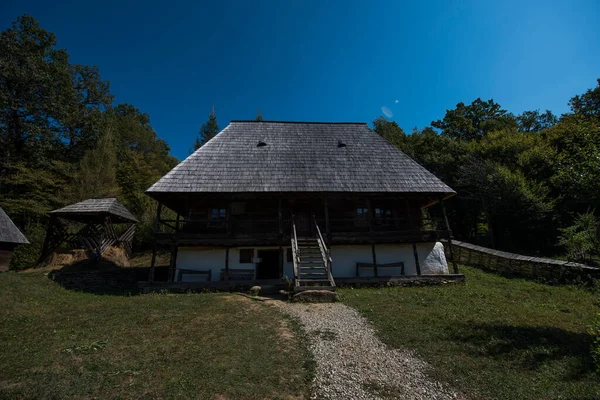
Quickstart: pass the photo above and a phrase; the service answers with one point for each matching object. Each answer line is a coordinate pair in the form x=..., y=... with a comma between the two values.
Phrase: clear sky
x=325, y=60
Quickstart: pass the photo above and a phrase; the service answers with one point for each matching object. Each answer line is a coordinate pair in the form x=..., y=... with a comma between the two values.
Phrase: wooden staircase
x=312, y=263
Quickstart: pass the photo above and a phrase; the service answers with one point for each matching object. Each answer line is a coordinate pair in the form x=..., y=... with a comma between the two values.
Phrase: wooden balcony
x=273, y=231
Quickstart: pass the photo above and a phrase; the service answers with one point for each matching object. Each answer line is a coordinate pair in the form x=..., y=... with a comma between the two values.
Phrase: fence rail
x=517, y=264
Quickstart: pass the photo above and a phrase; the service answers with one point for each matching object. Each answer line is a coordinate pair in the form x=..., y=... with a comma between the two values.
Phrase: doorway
x=268, y=268
x=303, y=224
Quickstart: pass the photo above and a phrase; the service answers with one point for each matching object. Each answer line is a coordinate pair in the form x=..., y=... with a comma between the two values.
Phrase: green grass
x=56, y=343
x=493, y=337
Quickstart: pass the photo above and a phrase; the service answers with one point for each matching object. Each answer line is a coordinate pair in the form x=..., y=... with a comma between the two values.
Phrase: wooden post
x=229, y=217
x=327, y=226
x=227, y=263
x=374, y=260
x=156, y=221
x=177, y=223
x=417, y=264
x=280, y=216
x=281, y=261
x=454, y=265
x=173, y=262
x=152, y=263
x=370, y=215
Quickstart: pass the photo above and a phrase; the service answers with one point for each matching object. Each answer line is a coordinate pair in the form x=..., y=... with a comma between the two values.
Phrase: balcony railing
x=337, y=229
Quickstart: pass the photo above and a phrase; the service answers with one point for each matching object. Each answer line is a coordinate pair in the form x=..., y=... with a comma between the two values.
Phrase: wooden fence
x=516, y=264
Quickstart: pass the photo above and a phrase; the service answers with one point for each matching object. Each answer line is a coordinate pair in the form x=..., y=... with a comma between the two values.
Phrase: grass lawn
x=493, y=337
x=56, y=343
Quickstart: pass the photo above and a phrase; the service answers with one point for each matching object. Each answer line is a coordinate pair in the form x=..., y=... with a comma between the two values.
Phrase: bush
x=581, y=239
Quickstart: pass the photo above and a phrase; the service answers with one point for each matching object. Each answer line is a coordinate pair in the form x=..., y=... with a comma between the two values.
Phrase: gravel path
x=352, y=363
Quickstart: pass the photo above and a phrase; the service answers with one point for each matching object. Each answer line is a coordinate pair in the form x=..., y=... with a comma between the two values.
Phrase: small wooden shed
x=10, y=237
x=96, y=231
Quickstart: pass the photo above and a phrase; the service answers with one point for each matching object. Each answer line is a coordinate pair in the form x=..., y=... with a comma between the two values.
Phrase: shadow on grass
x=104, y=277
x=529, y=347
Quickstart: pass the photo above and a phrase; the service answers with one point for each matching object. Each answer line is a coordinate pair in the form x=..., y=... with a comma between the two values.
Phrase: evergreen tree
x=259, y=116
x=208, y=130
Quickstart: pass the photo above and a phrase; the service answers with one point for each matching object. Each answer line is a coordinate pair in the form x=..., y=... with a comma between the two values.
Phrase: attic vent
x=261, y=144
x=341, y=144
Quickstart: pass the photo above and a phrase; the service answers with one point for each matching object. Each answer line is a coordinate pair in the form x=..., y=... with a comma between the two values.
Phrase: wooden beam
x=417, y=264
x=374, y=260
x=454, y=265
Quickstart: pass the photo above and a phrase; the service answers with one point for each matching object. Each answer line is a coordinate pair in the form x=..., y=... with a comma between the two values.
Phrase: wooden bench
x=360, y=265
x=238, y=275
x=181, y=272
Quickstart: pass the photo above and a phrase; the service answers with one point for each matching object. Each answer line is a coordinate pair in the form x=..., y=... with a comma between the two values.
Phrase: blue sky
x=325, y=60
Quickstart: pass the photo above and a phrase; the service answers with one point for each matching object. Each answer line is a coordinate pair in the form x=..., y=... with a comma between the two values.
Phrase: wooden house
x=314, y=202
x=10, y=237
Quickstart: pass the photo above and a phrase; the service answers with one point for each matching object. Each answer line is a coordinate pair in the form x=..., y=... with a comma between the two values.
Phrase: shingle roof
x=9, y=233
x=298, y=157
x=95, y=208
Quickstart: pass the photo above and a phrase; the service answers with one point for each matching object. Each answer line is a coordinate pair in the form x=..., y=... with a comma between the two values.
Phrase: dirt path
x=352, y=363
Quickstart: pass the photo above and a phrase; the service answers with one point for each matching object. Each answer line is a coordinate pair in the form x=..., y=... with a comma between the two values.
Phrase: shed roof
x=274, y=156
x=9, y=233
x=91, y=208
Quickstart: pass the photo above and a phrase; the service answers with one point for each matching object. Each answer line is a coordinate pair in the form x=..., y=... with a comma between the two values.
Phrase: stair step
x=304, y=268
x=308, y=263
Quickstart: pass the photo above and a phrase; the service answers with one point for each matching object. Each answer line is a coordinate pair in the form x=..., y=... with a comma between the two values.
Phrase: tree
x=473, y=121
x=97, y=174
x=587, y=104
x=390, y=131
x=534, y=121
x=259, y=116
x=208, y=130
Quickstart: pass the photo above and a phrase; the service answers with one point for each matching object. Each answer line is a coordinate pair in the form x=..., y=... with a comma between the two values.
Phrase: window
x=218, y=214
x=383, y=216
x=362, y=216
x=246, y=256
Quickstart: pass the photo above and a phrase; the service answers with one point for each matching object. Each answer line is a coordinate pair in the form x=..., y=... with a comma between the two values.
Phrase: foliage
x=587, y=104
x=259, y=116
x=581, y=239
x=518, y=179
x=208, y=130
x=473, y=121
x=493, y=337
x=62, y=140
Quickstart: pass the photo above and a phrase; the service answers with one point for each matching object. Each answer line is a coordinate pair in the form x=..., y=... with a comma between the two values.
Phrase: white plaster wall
x=203, y=258
x=345, y=257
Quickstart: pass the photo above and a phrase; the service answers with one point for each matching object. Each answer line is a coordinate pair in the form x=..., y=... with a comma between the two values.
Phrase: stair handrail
x=295, y=260
x=325, y=252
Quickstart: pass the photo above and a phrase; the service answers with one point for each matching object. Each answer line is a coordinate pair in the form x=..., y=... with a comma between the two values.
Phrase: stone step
x=304, y=288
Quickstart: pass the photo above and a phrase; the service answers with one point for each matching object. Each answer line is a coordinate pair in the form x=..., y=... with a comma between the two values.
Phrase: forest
x=528, y=183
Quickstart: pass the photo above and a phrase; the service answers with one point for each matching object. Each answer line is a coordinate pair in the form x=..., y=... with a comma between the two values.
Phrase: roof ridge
x=299, y=122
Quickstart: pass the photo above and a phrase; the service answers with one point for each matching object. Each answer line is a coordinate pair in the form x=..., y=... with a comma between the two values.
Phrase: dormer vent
x=341, y=144
x=261, y=144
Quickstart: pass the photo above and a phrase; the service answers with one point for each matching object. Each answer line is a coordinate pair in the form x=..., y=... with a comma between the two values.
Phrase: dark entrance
x=303, y=224
x=268, y=268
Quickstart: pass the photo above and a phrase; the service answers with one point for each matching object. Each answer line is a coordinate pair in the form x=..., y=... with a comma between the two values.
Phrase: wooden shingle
x=251, y=156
